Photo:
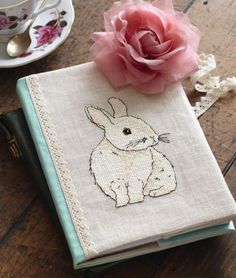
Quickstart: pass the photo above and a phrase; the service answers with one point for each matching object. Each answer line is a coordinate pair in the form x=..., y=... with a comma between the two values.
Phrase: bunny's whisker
x=130, y=144
x=133, y=143
x=138, y=141
x=164, y=138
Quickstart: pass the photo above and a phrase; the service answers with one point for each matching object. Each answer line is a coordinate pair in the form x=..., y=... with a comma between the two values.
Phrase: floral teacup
x=14, y=15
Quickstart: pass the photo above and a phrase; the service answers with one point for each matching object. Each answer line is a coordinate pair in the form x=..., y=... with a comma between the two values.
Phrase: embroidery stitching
x=62, y=170
x=125, y=164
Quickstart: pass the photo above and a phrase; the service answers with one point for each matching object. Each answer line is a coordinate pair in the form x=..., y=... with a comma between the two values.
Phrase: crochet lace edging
x=211, y=86
x=62, y=170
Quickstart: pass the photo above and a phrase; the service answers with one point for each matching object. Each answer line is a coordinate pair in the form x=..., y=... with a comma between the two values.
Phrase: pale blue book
x=129, y=174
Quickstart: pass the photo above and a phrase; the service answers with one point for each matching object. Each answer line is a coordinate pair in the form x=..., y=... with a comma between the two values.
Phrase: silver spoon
x=18, y=44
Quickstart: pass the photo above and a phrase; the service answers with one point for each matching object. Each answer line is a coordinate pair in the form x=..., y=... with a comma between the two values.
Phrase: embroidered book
x=129, y=174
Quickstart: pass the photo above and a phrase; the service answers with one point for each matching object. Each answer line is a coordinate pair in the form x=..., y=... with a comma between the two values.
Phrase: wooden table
x=30, y=246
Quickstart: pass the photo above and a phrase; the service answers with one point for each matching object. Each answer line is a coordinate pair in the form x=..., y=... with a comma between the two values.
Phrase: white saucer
x=50, y=30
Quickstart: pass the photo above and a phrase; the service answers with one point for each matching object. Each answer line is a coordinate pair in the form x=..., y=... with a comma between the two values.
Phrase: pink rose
x=4, y=22
x=146, y=45
x=47, y=34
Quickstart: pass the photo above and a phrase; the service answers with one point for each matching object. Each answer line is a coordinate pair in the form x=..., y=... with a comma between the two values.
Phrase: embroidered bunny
x=125, y=164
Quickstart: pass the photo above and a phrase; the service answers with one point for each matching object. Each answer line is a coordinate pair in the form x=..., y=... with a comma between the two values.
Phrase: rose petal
x=118, y=7
x=157, y=50
x=184, y=64
x=140, y=43
x=155, y=86
x=134, y=19
x=147, y=39
x=156, y=24
x=146, y=20
x=106, y=53
x=117, y=78
x=134, y=41
x=178, y=44
x=134, y=74
x=120, y=26
x=151, y=64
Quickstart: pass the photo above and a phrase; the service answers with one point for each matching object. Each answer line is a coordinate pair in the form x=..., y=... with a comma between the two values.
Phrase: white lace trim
x=61, y=168
x=211, y=86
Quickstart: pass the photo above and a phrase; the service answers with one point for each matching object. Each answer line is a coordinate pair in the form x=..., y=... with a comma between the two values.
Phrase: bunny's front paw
x=136, y=198
x=120, y=190
x=122, y=201
x=135, y=191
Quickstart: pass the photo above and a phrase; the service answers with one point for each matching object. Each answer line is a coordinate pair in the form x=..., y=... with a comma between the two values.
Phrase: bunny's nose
x=155, y=139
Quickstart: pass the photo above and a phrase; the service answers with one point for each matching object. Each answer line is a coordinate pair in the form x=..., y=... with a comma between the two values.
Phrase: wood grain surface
x=30, y=246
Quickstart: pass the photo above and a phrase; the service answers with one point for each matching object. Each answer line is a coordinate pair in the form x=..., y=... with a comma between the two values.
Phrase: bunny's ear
x=118, y=107
x=98, y=116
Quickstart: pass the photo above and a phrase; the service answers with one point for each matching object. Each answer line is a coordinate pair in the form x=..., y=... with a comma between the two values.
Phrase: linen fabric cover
x=201, y=197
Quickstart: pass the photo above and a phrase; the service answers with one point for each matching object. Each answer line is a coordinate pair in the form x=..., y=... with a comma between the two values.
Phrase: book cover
x=125, y=170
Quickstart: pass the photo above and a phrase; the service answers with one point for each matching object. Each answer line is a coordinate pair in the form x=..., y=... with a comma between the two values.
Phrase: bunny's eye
x=126, y=131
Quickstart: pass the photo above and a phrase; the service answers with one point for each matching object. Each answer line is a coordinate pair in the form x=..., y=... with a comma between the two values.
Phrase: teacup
x=15, y=14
